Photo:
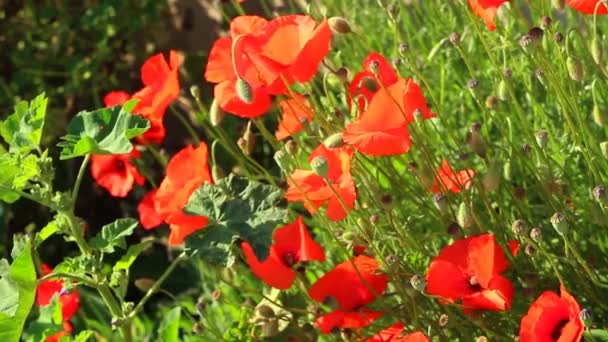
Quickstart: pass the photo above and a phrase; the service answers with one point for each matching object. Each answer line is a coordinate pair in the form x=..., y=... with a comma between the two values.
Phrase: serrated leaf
x=15, y=173
x=238, y=211
x=21, y=275
x=46, y=232
x=102, y=131
x=22, y=130
x=129, y=258
x=113, y=235
x=168, y=331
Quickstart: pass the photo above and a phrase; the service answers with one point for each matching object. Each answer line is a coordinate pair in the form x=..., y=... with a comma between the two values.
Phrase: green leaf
x=49, y=321
x=102, y=131
x=238, y=210
x=133, y=252
x=22, y=130
x=15, y=173
x=168, y=331
x=84, y=336
x=46, y=232
x=114, y=234
x=598, y=335
x=18, y=283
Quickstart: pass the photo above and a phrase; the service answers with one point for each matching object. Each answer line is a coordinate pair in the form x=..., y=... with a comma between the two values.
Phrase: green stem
x=79, y=177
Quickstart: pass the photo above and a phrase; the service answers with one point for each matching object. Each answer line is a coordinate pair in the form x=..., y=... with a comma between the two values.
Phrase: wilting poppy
x=115, y=173
x=486, y=10
x=589, y=6
x=186, y=171
x=148, y=217
x=469, y=271
x=70, y=302
x=314, y=191
x=449, y=180
x=295, y=112
x=352, y=284
x=381, y=130
x=365, y=83
x=396, y=333
x=292, y=245
x=552, y=318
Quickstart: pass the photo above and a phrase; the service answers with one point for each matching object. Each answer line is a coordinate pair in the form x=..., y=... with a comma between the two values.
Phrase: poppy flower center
x=120, y=165
x=557, y=331
x=474, y=283
x=289, y=259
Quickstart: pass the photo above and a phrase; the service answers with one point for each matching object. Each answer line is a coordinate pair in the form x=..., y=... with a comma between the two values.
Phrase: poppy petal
x=272, y=270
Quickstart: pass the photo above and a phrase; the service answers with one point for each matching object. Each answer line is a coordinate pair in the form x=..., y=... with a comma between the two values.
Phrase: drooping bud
x=339, y=25
x=519, y=227
x=575, y=69
x=559, y=221
x=244, y=90
x=464, y=216
x=216, y=114
x=320, y=166
x=418, y=283
x=440, y=203
x=542, y=138
x=334, y=141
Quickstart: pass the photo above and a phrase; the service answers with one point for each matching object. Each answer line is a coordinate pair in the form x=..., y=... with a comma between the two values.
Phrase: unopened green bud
x=501, y=92
x=247, y=141
x=575, y=69
x=334, y=141
x=195, y=91
x=507, y=171
x=559, y=222
x=464, y=216
x=320, y=166
x=244, y=90
x=216, y=114
x=596, y=50
x=339, y=25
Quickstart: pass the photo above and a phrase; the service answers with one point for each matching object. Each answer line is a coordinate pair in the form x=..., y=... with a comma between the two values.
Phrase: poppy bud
x=586, y=317
x=596, y=50
x=491, y=102
x=530, y=250
x=535, y=234
x=519, y=227
x=502, y=92
x=491, y=180
x=282, y=160
x=265, y=311
x=144, y=284
x=598, y=116
x=339, y=25
x=418, y=283
x=545, y=22
x=334, y=141
x=216, y=114
x=559, y=222
x=542, y=138
x=270, y=328
x=604, y=148
x=559, y=4
x=217, y=173
x=475, y=140
x=575, y=69
x=455, y=38
x=600, y=195
x=464, y=216
x=443, y=320
x=507, y=171
x=320, y=166
x=558, y=37
x=440, y=203
x=244, y=91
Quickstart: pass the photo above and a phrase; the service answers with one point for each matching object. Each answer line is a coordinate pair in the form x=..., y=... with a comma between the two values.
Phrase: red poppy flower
x=365, y=83
x=449, y=180
x=292, y=244
x=395, y=333
x=552, y=318
x=148, y=217
x=186, y=171
x=588, y=6
x=70, y=302
x=381, y=130
x=352, y=284
x=486, y=10
x=116, y=98
x=469, y=270
x=67, y=330
x=115, y=173
x=296, y=111
x=513, y=246
x=311, y=189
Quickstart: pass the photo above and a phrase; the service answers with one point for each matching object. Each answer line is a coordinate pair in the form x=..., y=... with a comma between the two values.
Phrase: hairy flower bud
x=216, y=114
x=334, y=141
x=244, y=91
x=464, y=216
x=596, y=50
x=575, y=69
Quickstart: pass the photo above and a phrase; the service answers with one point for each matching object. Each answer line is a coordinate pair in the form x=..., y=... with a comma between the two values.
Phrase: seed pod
x=535, y=234
x=443, y=320
x=244, y=90
x=265, y=311
x=334, y=141
x=418, y=283
x=216, y=114
x=339, y=25
x=455, y=38
x=596, y=50
x=530, y=250
x=475, y=141
x=519, y=227
x=320, y=166
x=575, y=69
x=559, y=222
x=545, y=22
x=464, y=216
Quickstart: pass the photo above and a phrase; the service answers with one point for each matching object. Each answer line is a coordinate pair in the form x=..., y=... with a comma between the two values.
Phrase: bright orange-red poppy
x=352, y=284
x=292, y=245
x=70, y=302
x=311, y=189
x=589, y=6
x=295, y=112
x=486, y=10
x=115, y=173
x=552, y=318
x=449, y=180
x=365, y=83
x=395, y=333
x=116, y=98
x=468, y=271
x=186, y=171
x=381, y=130
x=148, y=217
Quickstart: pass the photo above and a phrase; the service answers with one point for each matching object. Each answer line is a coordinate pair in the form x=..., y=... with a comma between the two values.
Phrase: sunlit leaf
x=113, y=235
x=22, y=130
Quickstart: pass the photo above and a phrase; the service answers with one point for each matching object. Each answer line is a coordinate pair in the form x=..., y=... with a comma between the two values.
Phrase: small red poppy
x=311, y=189
x=552, y=318
x=486, y=10
x=589, y=6
x=469, y=271
x=116, y=98
x=115, y=173
x=396, y=333
x=296, y=111
x=70, y=302
x=365, y=83
x=292, y=244
x=513, y=246
x=449, y=180
x=340, y=319
x=148, y=217
x=186, y=171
